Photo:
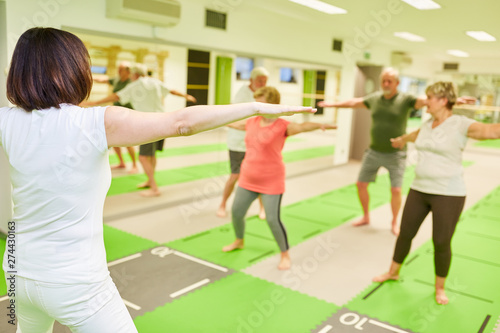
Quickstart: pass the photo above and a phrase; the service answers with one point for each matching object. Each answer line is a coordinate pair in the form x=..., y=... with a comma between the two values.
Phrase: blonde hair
x=270, y=94
x=443, y=90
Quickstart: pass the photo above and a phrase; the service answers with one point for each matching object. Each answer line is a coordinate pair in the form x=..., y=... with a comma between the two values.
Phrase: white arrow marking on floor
x=203, y=262
x=119, y=261
x=326, y=329
x=394, y=329
x=131, y=305
x=189, y=288
x=4, y=298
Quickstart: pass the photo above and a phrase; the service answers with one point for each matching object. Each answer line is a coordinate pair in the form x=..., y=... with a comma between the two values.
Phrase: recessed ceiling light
x=423, y=4
x=321, y=6
x=409, y=36
x=481, y=36
x=458, y=53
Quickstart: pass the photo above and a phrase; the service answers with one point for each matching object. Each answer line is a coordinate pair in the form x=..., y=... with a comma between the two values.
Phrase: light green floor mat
x=488, y=144
x=120, y=244
x=3, y=286
x=238, y=303
x=302, y=154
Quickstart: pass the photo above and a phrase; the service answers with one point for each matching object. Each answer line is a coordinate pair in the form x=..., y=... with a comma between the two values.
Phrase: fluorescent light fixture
x=458, y=53
x=409, y=36
x=481, y=36
x=321, y=6
x=423, y=4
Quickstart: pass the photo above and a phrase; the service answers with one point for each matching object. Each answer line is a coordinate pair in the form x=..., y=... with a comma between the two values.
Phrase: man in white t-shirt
x=145, y=94
x=236, y=138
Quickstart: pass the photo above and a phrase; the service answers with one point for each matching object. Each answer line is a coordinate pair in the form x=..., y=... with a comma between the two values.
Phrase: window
x=288, y=75
x=98, y=69
x=244, y=67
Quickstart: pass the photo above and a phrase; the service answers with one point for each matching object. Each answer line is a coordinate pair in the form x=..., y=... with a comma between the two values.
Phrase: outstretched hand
x=398, y=142
x=466, y=100
x=278, y=110
x=328, y=126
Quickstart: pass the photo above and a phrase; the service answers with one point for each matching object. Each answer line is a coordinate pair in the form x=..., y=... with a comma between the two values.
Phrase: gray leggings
x=272, y=203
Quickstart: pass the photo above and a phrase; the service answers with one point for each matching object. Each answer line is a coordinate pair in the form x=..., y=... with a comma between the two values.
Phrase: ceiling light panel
x=321, y=6
x=423, y=4
x=481, y=36
x=409, y=36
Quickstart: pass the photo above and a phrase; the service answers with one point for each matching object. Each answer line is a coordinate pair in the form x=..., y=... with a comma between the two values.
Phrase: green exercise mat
x=488, y=144
x=3, y=286
x=303, y=154
x=238, y=303
x=120, y=244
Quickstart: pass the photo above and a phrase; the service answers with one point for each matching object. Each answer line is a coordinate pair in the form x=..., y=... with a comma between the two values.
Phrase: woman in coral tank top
x=263, y=171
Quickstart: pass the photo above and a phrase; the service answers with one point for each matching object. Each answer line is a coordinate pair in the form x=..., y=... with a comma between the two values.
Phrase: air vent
x=337, y=45
x=215, y=19
x=450, y=66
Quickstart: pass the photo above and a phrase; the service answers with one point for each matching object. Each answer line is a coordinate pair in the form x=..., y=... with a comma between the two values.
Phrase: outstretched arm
x=401, y=141
x=125, y=127
x=480, y=131
x=294, y=128
x=356, y=103
x=108, y=99
x=422, y=101
x=188, y=97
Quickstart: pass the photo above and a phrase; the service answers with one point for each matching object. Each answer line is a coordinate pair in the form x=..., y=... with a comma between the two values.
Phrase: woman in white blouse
x=439, y=185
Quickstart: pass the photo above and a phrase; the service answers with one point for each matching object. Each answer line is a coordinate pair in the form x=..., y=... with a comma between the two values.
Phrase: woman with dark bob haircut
x=58, y=155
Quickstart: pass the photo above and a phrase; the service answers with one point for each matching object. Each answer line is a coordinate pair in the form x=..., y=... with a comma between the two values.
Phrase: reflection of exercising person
x=58, y=156
x=236, y=139
x=439, y=185
x=263, y=171
x=118, y=84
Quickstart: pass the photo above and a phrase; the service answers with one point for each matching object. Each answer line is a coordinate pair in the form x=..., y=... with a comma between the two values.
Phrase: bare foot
x=221, y=212
x=285, y=262
x=237, y=244
x=144, y=185
x=133, y=170
x=441, y=297
x=262, y=215
x=360, y=222
x=150, y=193
x=118, y=166
x=384, y=277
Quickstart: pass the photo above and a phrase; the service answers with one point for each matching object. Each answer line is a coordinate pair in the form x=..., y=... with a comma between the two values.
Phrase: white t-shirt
x=145, y=94
x=60, y=175
x=236, y=138
x=439, y=167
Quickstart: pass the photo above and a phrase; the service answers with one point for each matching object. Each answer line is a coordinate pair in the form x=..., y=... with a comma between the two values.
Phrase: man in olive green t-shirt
x=390, y=110
x=118, y=84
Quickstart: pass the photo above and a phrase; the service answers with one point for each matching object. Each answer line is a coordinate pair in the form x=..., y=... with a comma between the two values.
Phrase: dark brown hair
x=49, y=67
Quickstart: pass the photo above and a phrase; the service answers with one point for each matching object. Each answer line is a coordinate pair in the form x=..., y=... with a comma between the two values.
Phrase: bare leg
x=131, y=152
x=364, y=199
x=148, y=164
x=440, y=294
x=228, y=189
x=285, y=262
x=393, y=273
x=262, y=212
x=118, y=152
x=237, y=244
x=395, y=206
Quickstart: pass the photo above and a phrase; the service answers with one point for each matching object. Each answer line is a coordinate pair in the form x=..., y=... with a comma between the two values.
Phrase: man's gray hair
x=391, y=71
x=139, y=69
x=259, y=71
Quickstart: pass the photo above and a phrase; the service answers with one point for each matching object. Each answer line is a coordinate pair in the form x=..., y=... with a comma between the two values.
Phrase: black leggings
x=446, y=211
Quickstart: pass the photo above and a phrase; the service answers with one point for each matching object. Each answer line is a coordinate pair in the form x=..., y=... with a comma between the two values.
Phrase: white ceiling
x=443, y=29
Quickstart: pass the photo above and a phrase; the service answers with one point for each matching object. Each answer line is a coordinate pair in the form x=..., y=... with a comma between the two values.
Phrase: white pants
x=84, y=308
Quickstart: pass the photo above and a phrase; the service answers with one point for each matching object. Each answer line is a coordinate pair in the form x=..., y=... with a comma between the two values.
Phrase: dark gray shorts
x=235, y=159
x=395, y=163
x=149, y=149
